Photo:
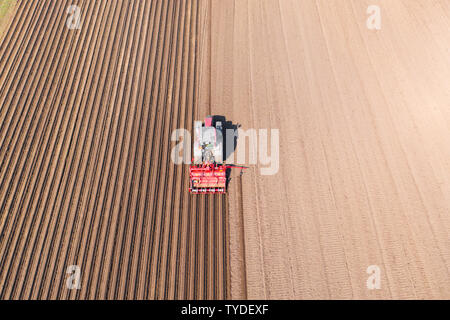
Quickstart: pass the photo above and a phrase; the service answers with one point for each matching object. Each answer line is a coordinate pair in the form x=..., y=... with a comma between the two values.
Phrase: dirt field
x=364, y=120
x=85, y=125
x=86, y=117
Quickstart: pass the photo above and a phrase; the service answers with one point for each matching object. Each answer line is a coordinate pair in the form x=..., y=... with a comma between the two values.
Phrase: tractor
x=208, y=173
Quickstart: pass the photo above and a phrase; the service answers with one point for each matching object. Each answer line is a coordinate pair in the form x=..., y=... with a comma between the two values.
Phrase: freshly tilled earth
x=85, y=138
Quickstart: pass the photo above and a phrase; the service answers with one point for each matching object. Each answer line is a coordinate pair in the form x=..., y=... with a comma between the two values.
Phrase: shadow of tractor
x=230, y=138
x=230, y=135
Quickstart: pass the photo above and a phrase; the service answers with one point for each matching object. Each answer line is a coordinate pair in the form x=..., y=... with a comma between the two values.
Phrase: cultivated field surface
x=87, y=113
x=364, y=124
x=86, y=117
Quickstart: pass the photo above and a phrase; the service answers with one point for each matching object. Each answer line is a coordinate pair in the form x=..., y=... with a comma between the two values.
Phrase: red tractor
x=208, y=173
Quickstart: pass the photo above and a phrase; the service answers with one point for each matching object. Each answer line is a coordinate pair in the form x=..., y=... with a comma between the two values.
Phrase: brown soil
x=86, y=118
x=85, y=125
x=364, y=146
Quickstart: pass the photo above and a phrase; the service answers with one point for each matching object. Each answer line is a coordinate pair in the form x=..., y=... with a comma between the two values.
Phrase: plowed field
x=85, y=125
